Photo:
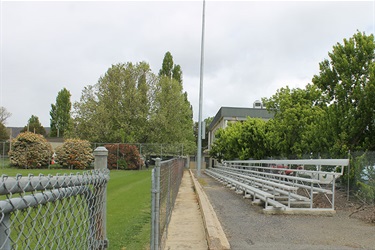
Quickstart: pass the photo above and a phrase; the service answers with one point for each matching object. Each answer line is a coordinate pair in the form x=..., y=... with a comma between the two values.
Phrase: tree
x=242, y=140
x=3, y=133
x=60, y=114
x=172, y=117
x=254, y=140
x=167, y=66
x=169, y=69
x=172, y=114
x=347, y=79
x=177, y=73
x=86, y=119
x=4, y=115
x=225, y=146
x=130, y=104
x=34, y=125
x=297, y=112
x=117, y=108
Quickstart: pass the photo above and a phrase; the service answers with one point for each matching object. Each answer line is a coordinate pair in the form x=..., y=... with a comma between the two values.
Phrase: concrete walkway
x=186, y=228
x=194, y=224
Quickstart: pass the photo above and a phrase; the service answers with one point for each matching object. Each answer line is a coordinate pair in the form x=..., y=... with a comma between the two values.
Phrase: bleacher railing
x=166, y=180
x=55, y=212
x=308, y=178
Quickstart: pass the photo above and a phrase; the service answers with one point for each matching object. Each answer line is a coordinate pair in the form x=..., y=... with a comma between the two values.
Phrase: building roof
x=240, y=112
x=14, y=131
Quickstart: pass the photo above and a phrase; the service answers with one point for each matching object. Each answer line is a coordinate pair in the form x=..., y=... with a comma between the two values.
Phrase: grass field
x=128, y=206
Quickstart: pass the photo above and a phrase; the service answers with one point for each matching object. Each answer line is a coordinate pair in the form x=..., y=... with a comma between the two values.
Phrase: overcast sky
x=252, y=48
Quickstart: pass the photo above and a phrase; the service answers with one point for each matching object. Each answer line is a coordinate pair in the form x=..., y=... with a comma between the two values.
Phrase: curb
x=216, y=238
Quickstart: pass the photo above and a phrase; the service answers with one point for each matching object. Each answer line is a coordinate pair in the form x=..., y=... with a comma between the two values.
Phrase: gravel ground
x=247, y=227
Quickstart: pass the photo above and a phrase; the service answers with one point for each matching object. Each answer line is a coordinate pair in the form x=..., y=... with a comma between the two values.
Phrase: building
x=54, y=141
x=227, y=115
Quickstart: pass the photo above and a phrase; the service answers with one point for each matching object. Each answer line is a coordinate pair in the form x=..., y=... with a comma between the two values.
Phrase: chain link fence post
x=101, y=155
x=156, y=205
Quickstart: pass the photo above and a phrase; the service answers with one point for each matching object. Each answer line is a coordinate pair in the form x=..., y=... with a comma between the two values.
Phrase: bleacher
x=284, y=186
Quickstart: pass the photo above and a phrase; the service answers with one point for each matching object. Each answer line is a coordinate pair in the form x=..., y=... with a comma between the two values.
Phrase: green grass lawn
x=129, y=210
x=128, y=206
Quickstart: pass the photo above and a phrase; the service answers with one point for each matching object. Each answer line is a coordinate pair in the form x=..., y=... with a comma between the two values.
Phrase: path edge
x=216, y=238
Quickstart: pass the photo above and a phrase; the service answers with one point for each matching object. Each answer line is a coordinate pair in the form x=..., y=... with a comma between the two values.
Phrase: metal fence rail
x=166, y=180
x=55, y=212
x=285, y=185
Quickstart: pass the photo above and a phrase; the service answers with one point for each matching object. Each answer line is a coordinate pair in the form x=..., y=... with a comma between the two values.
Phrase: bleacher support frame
x=291, y=184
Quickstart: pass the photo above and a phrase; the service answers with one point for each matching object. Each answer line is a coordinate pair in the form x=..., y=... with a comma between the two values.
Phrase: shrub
x=30, y=150
x=75, y=153
x=124, y=155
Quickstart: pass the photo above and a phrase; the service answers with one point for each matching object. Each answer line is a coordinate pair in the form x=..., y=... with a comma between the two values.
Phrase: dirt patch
x=352, y=206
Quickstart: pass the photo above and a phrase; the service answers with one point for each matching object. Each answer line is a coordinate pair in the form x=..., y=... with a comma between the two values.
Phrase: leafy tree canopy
x=3, y=133
x=347, y=79
x=169, y=69
x=34, y=126
x=334, y=114
x=60, y=114
x=296, y=113
x=130, y=103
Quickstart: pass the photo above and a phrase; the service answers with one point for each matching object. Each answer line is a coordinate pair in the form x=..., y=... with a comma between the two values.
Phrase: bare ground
x=246, y=227
x=354, y=207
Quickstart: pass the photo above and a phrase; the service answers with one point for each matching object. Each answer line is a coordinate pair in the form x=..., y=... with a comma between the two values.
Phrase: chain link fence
x=4, y=150
x=166, y=180
x=360, y=177
x=55, y=212
x=147, y=152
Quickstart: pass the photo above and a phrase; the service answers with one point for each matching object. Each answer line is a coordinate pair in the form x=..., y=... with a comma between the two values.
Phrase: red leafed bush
x=30, y=150
x=75, y=153
x=124, y=156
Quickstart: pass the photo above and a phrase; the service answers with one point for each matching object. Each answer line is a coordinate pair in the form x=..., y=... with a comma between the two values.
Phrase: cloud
x=252, y=48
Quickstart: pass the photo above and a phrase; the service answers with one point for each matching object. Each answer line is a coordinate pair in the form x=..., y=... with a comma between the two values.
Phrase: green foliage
x=167, y=66
x=123, y=156
x=117, y=108
x=87, y=122
x=4, y=135
x=34, y=125
x=242, y=140
x=171, y=118
x=333, y=115
x=30, y=150
x=130, y=104
x=362, y=175
x=60, y=114
x=366, y=192
x=347, y=79
x=74, y=153
x=297, y=112
x=254, y=139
